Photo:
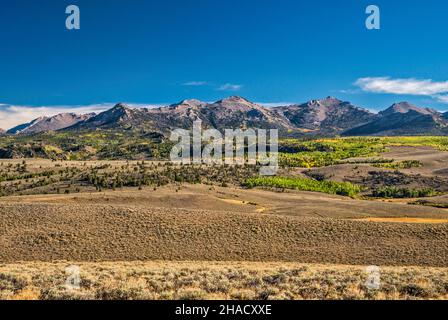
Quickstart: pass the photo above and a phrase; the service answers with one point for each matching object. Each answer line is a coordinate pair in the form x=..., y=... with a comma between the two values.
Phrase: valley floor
x=220, y=224
x=200, y=241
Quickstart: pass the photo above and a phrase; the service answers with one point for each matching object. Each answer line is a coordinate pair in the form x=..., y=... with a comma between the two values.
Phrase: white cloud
x=230, y=87
x=409, y=86
x=13, y=115
x=195, y=83
x=348, y=91
x=275, y=104
x=223, y=87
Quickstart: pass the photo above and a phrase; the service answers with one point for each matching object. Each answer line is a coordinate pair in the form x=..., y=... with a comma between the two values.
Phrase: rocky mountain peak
x=191, y=103
x=235, y=99
x=53, y=123
x=121, y=107
x=403, y=118
x=322, y=104
x=405, y=107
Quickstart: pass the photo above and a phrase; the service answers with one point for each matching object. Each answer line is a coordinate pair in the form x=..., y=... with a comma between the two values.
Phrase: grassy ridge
x=131, y=145
x=407, y=164
x=86, y=145
x=326, y=152
x=302, y=184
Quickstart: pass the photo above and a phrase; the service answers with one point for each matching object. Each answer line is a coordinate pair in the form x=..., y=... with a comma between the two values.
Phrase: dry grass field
x=48, y=232
x=240, y=225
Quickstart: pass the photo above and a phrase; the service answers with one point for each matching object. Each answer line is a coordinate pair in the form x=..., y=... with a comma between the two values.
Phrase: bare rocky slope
x=404, y=119
x=54, y=123
x=328, y=115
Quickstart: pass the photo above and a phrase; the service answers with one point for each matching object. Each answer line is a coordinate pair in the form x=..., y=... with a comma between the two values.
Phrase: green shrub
x=303, y=184
x=407, y=164
x=394, y=192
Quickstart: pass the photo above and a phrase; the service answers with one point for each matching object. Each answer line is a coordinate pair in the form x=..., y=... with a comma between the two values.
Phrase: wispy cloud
x=348, y=91
x=230, y=87
x=13, y=115
x=195, y=83
x=223, y=87
x=411, y=86
x=442, y=98
x=274, y=104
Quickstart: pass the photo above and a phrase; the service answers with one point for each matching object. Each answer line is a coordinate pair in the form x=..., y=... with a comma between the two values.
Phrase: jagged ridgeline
x=140, y=133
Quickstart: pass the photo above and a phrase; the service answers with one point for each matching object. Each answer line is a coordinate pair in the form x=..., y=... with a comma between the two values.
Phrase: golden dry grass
x=406, y=220
x=218, y=280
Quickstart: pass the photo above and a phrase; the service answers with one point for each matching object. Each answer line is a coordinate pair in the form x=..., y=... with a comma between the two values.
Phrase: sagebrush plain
x=145, y=229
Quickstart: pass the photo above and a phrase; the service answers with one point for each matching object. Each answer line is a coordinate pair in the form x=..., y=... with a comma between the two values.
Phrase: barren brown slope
x=231, y=199
x=49, y=232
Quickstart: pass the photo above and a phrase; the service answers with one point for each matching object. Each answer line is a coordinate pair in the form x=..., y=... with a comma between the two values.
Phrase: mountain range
x=329, y=116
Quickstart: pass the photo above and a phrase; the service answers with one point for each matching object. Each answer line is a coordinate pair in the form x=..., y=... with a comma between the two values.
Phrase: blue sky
x=158, y=52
